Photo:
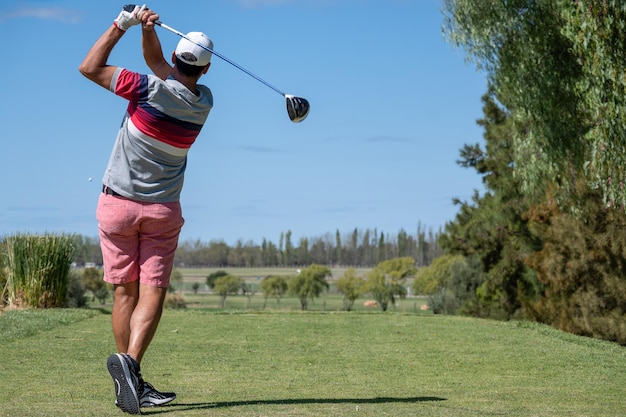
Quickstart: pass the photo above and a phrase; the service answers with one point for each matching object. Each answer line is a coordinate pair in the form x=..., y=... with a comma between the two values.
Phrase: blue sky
x=391, y=105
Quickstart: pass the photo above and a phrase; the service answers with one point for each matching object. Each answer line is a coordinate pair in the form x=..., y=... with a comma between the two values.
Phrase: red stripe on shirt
x=150, y=121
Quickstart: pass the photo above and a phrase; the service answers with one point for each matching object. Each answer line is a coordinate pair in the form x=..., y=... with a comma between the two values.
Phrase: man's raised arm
x=151, y=46
x=94, y=65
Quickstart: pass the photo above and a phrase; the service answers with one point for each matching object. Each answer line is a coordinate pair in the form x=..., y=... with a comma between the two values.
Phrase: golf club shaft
x=182, y=35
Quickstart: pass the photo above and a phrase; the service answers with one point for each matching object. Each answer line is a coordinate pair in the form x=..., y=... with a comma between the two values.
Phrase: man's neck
x=190, y=82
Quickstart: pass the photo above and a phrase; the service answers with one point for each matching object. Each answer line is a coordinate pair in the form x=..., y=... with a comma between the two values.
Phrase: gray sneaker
x=126, y=376
x=150, y=397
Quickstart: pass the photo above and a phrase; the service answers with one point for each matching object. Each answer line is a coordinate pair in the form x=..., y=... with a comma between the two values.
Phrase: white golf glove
x=129, y=16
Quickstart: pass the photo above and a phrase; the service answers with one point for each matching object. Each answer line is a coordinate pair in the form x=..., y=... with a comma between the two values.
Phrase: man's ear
x=174, y=57
x=206, y=68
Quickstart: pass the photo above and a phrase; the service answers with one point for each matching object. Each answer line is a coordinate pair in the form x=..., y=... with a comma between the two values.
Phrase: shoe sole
x=126, y=396
x=154, y=404
x=157, y=403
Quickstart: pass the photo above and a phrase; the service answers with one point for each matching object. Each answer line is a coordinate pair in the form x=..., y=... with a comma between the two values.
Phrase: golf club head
x=297, y=107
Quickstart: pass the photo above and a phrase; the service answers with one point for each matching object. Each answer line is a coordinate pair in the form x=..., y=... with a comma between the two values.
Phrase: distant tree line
x=363, y=248
x=359, y=248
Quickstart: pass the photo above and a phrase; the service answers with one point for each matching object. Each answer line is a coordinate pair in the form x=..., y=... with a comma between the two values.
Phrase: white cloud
x=45, y=13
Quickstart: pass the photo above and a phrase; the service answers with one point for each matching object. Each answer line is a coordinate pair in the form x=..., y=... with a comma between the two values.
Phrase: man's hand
x=148, y=17
x=129, y=16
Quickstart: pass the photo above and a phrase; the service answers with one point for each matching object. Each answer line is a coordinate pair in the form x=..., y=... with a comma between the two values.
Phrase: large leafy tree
x=558, y=66
x=597, y=32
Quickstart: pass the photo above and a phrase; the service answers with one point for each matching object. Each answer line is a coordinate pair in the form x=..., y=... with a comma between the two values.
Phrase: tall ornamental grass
x=37, y=270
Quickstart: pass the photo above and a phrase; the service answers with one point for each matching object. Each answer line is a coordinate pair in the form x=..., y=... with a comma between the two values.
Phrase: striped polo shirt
x=162, y=121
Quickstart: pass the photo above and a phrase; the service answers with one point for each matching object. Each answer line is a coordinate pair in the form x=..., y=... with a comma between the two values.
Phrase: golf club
x=297, y=107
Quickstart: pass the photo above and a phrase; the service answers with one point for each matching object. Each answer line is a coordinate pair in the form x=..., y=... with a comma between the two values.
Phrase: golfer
x=139, y=214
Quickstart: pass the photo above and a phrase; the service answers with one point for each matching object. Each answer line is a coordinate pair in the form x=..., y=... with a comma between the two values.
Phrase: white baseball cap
x=192, y=54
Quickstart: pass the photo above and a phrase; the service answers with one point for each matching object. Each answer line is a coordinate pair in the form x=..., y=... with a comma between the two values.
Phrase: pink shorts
x=138, y=240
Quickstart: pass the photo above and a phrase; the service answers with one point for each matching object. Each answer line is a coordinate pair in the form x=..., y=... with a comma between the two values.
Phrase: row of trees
x=360, y=248
x=545, y=241
x=385, y=283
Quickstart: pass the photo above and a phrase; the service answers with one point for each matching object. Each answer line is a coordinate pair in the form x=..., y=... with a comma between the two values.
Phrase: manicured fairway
x=321, y=364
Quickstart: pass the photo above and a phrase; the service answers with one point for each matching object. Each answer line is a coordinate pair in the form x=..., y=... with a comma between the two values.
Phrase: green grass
x=15, y=324
x=325, y=303
x=281, y=363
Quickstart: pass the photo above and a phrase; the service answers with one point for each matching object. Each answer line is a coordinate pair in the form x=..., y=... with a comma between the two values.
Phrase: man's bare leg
x=124, y=302
x=136, y=314
x=145, y=319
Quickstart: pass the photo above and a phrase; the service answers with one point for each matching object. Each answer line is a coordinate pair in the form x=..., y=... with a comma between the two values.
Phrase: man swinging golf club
x=139, y=213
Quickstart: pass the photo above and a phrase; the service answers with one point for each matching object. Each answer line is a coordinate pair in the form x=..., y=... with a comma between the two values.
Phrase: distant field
x=329, y=301
x=326, y=302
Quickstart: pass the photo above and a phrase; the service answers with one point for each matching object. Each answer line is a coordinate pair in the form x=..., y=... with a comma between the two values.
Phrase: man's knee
x=152, y=295
x=126, y=294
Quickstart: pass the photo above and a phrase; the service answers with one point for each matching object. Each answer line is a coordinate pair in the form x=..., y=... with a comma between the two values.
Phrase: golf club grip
x=182, y=35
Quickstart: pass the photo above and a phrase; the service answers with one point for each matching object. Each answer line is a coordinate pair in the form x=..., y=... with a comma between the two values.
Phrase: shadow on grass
x=171, y=408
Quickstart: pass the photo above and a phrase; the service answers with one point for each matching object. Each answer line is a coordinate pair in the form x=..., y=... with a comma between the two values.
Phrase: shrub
x=102, y=294
x=210, y=280
x=227, y=284
x=386, y=282
x=37, y=270
x=92, y=280
x=351, y=286
x=309, y=283
x=75, y=297
x=175, y=301
x=274, y=286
